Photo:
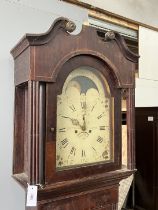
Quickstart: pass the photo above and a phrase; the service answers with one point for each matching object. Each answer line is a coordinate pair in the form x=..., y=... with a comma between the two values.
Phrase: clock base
x=96, y=193
x=98, y=199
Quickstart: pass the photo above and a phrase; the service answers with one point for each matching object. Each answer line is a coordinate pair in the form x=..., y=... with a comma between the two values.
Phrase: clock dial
x=84, y=120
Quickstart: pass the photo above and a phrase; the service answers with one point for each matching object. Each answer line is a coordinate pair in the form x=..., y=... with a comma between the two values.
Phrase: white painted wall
x=142, y=11
x=147, y=84
x=146, y=93
x=16, y=19
x=148, y=49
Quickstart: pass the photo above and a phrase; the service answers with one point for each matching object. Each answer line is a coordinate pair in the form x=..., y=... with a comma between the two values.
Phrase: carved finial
x=110, y=35
x=70, y=26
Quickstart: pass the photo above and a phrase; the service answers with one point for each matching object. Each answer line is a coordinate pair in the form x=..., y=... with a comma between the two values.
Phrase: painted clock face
x=84, y=120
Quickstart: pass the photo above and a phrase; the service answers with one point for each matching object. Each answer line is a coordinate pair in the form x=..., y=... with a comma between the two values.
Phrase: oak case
x=42, y=64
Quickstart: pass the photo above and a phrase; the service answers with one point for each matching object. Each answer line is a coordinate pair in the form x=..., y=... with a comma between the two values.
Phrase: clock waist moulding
x=67, y=127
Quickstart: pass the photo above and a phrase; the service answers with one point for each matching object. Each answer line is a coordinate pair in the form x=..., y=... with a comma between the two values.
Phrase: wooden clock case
x=42, y=63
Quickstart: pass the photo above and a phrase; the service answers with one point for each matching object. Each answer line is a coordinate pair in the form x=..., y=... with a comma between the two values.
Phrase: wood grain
x=42, y=63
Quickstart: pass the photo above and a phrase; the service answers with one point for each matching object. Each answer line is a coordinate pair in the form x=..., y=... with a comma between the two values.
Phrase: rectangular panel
x=126, y=32
x=20, y=130
x=101, y=199
x=148, y=49
x=146, y=91
x=146, y=160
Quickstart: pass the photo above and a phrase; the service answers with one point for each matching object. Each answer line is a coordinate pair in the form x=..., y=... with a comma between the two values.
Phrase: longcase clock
x=67, y=133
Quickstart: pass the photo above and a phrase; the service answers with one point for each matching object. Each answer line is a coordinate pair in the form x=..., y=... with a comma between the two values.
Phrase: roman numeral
x=73, y=151
x=100, y=116
x=62, y=129
x=83, y=153
x=72, y=108
x=99, y=139
x=64, y=142
x=93, y=107
x=102, y=128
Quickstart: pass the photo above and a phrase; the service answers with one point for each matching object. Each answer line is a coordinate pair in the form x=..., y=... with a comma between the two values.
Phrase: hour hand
x=84, y=123
x=74, y=121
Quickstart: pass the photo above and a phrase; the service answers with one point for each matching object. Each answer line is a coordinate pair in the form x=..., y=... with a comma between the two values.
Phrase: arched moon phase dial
x=84, y=120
